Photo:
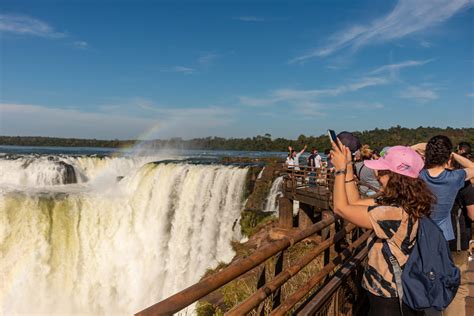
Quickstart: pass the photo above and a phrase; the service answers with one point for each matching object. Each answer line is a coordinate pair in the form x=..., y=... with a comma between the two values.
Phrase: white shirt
x=293, y=162
x=317, y=161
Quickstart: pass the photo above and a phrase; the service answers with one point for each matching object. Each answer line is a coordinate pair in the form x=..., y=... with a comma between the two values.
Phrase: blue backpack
x=430, y=279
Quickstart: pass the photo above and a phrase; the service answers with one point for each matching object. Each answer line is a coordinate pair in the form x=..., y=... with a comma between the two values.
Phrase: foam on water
x=103, y=246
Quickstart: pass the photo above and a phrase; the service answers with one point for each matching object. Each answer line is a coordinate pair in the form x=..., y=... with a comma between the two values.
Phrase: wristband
x=340, y=171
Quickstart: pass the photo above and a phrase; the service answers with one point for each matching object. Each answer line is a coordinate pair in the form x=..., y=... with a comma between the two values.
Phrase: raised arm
x=420, y=148
x=304, y=148
x=466, y=163
x=356, y=214
x=463, y=161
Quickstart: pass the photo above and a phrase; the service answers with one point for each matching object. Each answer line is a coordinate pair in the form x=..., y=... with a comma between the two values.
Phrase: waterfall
x=111, y=247
x=271, y=204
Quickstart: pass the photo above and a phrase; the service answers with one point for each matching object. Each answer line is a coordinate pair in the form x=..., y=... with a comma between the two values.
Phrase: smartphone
x=333, y=137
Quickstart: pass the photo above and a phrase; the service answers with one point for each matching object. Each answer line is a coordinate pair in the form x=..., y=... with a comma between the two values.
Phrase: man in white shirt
x=293, y=160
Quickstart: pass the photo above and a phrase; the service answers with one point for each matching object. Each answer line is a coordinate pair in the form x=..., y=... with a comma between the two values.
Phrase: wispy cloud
x=249, y=18
x=365, y=105
x=125, y=119
x=310, y=109
x=420, y=94
x=426, y=44
x=406, y=18
x=183, y=70
x=81, y=45
x=206, y=59
x=308, y=102
x=26, y=25
x=401, y=65
x=37, y=120
x=199, y=121
x=471, y=95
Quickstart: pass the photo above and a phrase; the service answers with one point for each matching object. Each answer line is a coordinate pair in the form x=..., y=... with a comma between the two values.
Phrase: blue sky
x=160, y=69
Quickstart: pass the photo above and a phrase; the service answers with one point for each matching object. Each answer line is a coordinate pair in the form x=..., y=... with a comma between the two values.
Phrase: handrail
x=298, y=177
x=270, y=287
x=325, y=293
x=311, y=283
x=186, y=297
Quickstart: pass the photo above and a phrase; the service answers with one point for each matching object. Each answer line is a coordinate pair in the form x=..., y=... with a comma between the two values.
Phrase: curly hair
x=411, y=194
x=438, y=151
x=365, y=152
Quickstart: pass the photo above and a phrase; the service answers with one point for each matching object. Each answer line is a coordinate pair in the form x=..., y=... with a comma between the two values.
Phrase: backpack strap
x=359, y=170
x=458, y=230
x=397, y=273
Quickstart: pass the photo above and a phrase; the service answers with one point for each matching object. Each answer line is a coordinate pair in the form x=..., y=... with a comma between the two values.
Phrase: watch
x=340, y=171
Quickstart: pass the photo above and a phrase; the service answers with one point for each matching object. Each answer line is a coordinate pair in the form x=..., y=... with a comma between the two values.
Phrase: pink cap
x=399, y=159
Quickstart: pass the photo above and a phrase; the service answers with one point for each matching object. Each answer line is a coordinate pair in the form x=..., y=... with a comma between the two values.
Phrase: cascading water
x=271, y=204
x=115, y=246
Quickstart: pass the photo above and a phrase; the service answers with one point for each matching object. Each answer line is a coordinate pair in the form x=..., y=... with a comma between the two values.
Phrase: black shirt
x=464, y=198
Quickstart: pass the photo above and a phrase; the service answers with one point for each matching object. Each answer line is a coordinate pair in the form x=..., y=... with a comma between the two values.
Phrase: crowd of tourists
x=419, y=201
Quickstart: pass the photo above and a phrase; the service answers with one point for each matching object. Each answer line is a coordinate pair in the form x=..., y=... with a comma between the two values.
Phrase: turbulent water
x=110, y=235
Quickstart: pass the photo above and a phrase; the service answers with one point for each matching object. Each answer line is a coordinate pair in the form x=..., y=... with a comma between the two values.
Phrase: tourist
x=375, y=154
x=464, y=149
x=293, y=159
x=350, y=141
x=444, y=183
x=329, y=164
x=462, y=215
x=393, y=217
x=369, y=184
x=314, y=160
x=384, y=151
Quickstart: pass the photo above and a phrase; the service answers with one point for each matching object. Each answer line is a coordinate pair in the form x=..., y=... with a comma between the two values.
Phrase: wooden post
x=305, y=216
x=285, y=213
x=325, y=233
x=278, y=269
x=261, y=282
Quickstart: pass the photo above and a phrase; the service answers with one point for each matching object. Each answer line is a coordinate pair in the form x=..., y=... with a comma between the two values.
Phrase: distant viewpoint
x=377, y=138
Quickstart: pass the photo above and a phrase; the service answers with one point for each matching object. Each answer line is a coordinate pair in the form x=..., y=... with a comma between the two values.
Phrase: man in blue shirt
x=444, y=183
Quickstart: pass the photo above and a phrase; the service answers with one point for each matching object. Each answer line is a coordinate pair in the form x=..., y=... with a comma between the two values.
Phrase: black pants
x=382, y=306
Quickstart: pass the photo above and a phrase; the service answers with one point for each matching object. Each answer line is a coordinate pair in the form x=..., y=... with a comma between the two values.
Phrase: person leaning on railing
x=393, y=216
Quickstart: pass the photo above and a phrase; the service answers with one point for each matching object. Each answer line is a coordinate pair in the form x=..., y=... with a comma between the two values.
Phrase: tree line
x=376, y=138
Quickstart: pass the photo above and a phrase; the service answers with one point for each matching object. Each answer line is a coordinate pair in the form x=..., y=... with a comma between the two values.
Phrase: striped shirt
x=399, y=229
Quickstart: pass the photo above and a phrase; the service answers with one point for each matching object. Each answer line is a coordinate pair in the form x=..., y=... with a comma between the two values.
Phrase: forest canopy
x=376, y=138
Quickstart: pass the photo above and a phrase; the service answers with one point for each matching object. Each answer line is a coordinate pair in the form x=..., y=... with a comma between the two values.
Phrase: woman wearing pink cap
x=393, y=216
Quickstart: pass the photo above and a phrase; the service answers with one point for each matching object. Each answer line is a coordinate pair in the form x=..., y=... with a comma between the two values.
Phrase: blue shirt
x=445, y=187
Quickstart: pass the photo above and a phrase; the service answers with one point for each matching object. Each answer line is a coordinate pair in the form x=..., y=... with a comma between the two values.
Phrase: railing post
x=285, y=213
x=324, y=235
x=261, y=282
x=305, y=215
x=278, y=269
